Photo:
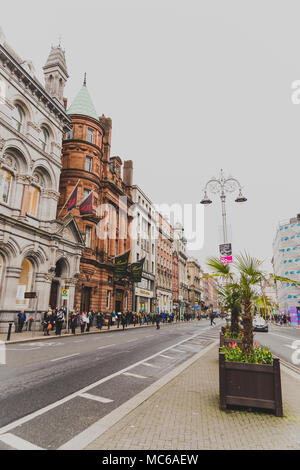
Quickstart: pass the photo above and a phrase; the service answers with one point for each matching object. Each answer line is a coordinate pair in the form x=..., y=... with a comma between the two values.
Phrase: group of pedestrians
x=23, y=320
x=54, y=319
x=281, y=319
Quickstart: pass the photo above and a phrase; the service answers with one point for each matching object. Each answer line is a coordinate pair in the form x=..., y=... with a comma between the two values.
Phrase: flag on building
x=136, y=270
x=121, y=264
x=86, y=206
x=72, y=201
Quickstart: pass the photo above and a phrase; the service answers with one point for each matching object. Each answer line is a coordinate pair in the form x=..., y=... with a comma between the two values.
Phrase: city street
x=50, y=391
x=280, y=340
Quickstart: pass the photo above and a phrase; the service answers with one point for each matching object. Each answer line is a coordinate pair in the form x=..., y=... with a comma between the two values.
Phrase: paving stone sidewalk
x=185, y=414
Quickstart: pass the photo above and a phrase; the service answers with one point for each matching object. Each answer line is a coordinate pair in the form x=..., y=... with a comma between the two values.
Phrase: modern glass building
x=286, y=262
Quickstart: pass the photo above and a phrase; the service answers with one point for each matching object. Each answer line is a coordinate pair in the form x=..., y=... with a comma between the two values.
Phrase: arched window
x=32, y=201
x=17, y=117
x=44, y=138
x=5, y=183
x=25, y=281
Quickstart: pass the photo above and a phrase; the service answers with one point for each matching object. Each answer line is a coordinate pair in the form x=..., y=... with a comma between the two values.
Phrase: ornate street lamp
x=222, y=186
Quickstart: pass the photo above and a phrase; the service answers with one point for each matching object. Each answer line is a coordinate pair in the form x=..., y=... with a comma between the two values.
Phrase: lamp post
x=222, y=186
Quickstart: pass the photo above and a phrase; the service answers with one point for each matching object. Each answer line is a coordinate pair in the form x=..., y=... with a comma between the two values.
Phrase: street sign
x=29, y=295
x=65, y=293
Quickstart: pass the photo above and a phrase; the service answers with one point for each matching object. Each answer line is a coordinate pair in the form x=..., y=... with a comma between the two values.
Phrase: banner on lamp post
x=225, y=253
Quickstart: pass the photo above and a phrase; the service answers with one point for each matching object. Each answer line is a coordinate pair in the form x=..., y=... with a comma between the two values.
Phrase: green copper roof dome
x=83, y=104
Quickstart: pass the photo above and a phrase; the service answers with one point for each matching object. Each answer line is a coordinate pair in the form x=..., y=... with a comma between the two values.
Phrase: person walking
x=82, y=322
x=59, y=320
x=88, y=321
x=157, y=321
x=21, y=320
x=123, y=321
x=73, y=322
x=211, y=316
x=48, y=322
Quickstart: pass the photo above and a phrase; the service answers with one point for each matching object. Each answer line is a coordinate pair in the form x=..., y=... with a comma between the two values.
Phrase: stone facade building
x=164, y=258
x=88, y=165
x=194, y=276
x=36, y=250
x=143, y=246
x=180, y=243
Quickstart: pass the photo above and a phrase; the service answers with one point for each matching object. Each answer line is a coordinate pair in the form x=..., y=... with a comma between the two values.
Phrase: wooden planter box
x=227, y=341
x=250, y=385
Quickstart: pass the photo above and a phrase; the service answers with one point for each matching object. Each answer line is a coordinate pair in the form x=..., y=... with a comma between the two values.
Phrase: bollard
x=9, y=332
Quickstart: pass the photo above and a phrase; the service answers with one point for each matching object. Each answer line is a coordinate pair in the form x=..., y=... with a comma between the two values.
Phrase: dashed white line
x=135, y=375
x=150, y=365
x=94, y=397
x=54, y=405
x=64, y=357
x=18, y=443
x=107, y=346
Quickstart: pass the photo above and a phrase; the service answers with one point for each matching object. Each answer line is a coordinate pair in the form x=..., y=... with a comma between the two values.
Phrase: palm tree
x=250, y=277
x=231, y=301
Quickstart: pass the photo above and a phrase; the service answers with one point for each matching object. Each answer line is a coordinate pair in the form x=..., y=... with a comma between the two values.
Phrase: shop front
x=143, y=300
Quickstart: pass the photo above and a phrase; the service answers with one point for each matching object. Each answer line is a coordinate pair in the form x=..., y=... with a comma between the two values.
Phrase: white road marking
x=130, y=340
x=282, y=336
x=94, y=397
x=148, y=336
x=150, y=365
x=167, y=357
x=107, y=346
x=135, y=375
x=64, y=357
x=18, y=443
x=97, y=429
x=178, y=350
x=50, y=407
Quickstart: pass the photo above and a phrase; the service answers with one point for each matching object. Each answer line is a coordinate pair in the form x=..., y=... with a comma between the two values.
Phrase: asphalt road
x=280, y=340
x=51, y=391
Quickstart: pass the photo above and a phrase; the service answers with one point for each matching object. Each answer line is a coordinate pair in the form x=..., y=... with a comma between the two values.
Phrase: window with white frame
x=88, y=164
x=17, y=117
x=44, y=138
x=90, y=135
x=88, y=236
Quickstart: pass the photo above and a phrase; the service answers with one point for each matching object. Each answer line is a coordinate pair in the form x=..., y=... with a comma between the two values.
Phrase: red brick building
x=86, y=162
x=164, y=258
x=209, y=292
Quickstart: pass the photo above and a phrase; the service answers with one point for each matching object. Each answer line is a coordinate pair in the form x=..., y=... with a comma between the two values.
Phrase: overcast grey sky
x=191, y=87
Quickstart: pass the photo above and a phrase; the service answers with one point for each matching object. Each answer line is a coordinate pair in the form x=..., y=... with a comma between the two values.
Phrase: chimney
x=127, y=172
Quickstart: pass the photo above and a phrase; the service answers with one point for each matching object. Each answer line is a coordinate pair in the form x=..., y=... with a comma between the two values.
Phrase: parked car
x=260, y=324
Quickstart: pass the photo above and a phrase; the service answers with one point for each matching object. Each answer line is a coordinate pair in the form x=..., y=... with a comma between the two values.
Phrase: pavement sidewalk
x=184, y=414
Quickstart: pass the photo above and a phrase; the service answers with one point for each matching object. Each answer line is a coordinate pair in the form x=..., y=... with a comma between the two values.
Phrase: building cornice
x=22, y=76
